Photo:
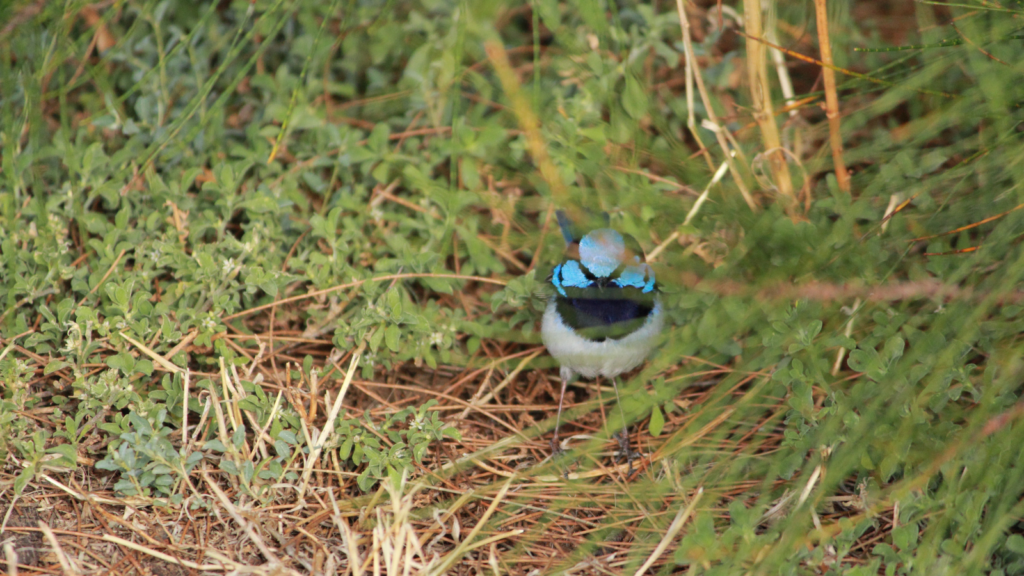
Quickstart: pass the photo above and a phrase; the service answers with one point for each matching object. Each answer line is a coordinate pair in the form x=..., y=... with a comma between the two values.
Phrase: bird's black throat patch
x=599, y=319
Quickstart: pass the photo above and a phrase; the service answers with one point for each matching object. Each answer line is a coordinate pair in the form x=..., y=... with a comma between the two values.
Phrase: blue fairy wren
x=606, y=314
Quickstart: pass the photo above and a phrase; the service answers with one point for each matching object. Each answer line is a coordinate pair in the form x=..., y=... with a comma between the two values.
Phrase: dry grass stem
x=691, y=114
x=831, y=98
x=250, y=531
x=704, y=195
x=890, y=209
x=480, y=398
x=810, y=485
x=11, y=556
x=761, y=101
x=782, y=71
x=718, y=129
x=677, y=524
x=347, y=285
x=162, y=362
x=168, y=558
x=317, y=445
x=66, y=564
x=848, y=332
x=794, y=141
x=469, y=542
x=528, y=122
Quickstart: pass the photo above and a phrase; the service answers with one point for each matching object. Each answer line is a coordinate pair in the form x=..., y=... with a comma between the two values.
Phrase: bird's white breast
x=607, y=358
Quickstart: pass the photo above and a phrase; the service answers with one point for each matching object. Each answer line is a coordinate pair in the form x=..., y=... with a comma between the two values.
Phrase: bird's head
x=602, y=251
x=607, y=259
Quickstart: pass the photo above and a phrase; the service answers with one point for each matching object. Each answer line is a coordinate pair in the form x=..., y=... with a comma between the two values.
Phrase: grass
x=271, y=273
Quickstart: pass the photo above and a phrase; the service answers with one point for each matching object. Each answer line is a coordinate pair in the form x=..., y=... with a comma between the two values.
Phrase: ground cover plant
x=271, y=274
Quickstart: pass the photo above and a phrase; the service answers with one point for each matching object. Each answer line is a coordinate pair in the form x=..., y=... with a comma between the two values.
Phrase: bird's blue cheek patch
x=572, y=275
x=641, y=276
x=569, y=274
x=556, y=279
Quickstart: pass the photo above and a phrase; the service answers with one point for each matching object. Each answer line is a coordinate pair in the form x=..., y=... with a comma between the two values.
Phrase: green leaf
x=657, y=422
x=193, y=459
x=144, y=366
x=395, y=303
x=378, y=140
x=393, y=335
x=23, y=478
x=54, y=365
x=593, y=14
x=238, y=438
x=229, y=467
x=376, y=338
x=121, y=220
x=122, y=361
x=634, y=98
x=261, y=205
x=215, y=445
x=1015, y=544
x=68, y=453
x=905, y=537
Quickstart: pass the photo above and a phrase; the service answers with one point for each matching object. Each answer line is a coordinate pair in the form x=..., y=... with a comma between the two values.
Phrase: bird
x=606, y=314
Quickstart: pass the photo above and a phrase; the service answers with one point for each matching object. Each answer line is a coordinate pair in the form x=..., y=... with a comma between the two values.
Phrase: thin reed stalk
x=761, y=102
x=691, y=117
x=714, y=124
x=831, y=98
